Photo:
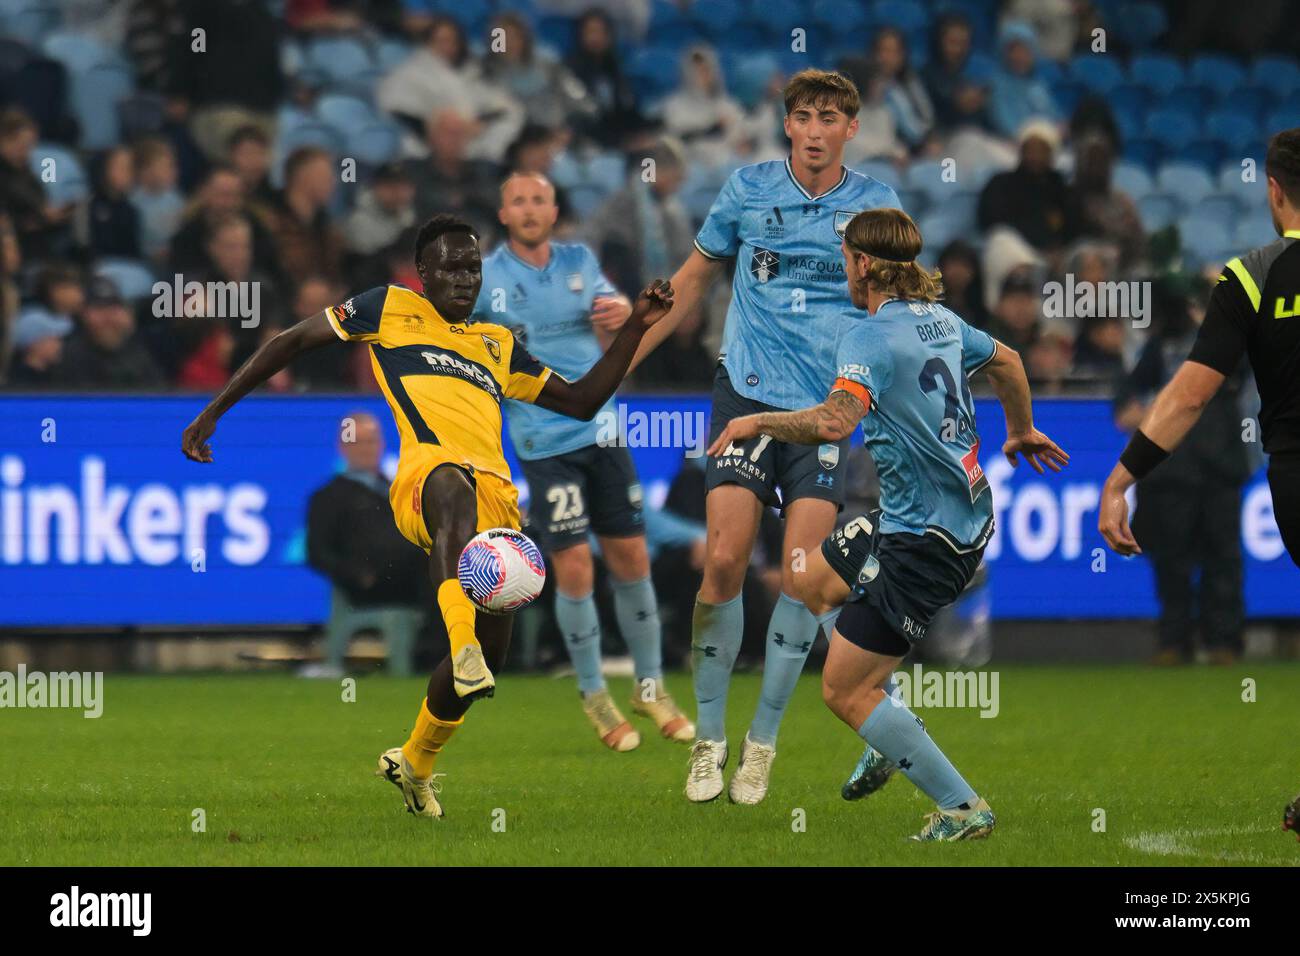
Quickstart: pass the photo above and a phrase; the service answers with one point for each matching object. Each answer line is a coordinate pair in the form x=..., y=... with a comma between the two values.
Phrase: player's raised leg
x=732, y=514
x=575, y=613
x=853, y=687
x=791, y=633
x=637, y=610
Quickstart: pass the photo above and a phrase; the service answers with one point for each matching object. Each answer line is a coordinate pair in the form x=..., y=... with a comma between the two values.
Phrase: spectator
x=441, y=74
x=375, y=573
x=595, y=63
x=158, y=203
x=1099, y=209
x=38, y=225
x=959, y=97
x=383, y=211
x=549, y=93
x=11, y=260
x=151, y=32
x=249, y=154
x=236, y=79
x=963, y=284
x=1054, y=23
x=1018, y=93
x=113, y=223
x=877, y=136
x=701, y=113
x=901, y=88
x=643, y=231
x=1049, y=358
x=1033, y=198
x=325, y=368
x=1099, y=349
x=105, y=353
x=1016, y=321
x=38, y=349
x=1188, y=515
x=221, y=195
x=230, y=254
x=305, y=238
x=449, y=181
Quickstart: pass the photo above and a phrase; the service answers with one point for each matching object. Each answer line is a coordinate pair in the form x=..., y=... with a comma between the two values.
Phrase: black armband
x=1141, y=455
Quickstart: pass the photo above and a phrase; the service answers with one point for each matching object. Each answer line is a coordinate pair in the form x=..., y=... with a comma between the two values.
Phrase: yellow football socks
x=457, y=614
x=427, y=739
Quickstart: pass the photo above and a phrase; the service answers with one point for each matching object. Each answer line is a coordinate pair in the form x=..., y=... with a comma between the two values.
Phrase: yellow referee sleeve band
x=427, y=739
x=1247, y=283
x=457, y=614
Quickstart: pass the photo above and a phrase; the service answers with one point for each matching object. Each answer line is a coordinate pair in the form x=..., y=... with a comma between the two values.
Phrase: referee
x=1254, y=309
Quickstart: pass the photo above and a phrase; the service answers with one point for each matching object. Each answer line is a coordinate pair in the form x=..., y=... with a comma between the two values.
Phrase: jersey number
x=957, y=424
x=566, y=502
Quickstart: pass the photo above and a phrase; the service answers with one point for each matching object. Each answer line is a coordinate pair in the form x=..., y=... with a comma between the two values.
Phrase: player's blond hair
x=893, y=241
x=821, y=89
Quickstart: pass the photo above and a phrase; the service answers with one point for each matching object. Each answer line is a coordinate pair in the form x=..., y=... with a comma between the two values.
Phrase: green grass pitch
x=1184, y=770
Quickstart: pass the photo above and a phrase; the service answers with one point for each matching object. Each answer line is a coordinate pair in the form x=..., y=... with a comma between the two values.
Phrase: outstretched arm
x=1175, y=410
x=1007, y=376
x=583, y=398
x=832, y=420
x=274, y=355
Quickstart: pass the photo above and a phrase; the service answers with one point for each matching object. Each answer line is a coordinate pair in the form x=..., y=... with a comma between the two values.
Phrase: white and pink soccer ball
x=501, y=570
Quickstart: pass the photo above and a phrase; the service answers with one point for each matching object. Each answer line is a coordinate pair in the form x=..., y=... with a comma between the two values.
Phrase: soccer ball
x=501, y=570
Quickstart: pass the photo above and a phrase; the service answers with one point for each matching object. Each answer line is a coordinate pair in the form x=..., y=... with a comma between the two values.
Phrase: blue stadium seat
x=70, y=183
x=915, y=201
x=1248, y=194
x=391, y=53
x=717, y=17
x=76, y=51
x=1157, y=72
x=1187, y=99
x=133, y=278
x=1207, y=240
x=375, y=143
x=938, y=229
x=1254, y=229
x=1174, y=129
x=1143, y=151
x=347, y=114
x=1223, y=74
x=840, y=16
x=1097, y=73
x=1235, y=131
x=1133, y=180
x=1278, y=73
x=655, y=70
x=926, y=176
x=1066, y=94
x=1140, y=25
x=310, y=133
x=586, y=198
x=556, y=32
x=340, y=58
x=905, y=15
x=1189, y=183
x=1158, y=210
x=31, y=20
x=880, y=170
x=1202, y=152
x=1284, y=117
x=1223, y=208
x=95, y=94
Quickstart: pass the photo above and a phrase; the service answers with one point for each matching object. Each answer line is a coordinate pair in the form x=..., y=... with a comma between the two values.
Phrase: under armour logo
x=709, y=650
x=780, y=641
x=905, y=764
x=642, y=615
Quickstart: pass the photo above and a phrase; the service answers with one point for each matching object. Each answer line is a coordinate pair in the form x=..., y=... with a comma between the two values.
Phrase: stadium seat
x=1235, y=131
x=1222, y=74
x=716, y=18
x=1066, y=94
x=391, y=53
x=880, y=170
x=310, y=133
x=1158, y=210
x=1189, y=183
x=1205, y=153
x=1225, y=208
x=1095, y=72
x=133, y=278
x=938, y=229
x=76, y=51
x=915, y=201
x=31, y=21
x=1249, y=194
x=1140, y=25
x=839, y=16
x=347, y=114
x=585, y=198
x=1255, y=229
x=1143, y=151
x=95, y=95
x=1188, y=98
x=655, y=70
x=1206, y=240
x=927, y=176
x=70, y=183
x=1278, y=73
x=1132, y=179
x=1284, y=117
x=905, y=15
x=340, y=58
x=1173, y=129
x=375, y=143
x=1157, y=72
x=556, y=32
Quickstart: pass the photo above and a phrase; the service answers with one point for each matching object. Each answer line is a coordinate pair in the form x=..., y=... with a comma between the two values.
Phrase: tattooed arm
x=832, y=420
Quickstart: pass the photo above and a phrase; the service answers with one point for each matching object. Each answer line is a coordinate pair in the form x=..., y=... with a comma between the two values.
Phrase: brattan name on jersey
x=549, y=311
x=913, y=360
x=789, y=295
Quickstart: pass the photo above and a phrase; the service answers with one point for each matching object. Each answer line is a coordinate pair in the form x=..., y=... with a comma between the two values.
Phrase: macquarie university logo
x=765, y=264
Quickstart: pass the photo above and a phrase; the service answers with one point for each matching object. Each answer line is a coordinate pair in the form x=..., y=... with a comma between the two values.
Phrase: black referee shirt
x=1255, y=309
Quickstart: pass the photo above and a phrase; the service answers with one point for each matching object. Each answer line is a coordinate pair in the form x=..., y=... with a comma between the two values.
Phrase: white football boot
x=704, y=772
x=749, y=782
x=470, y=677
x=420, y=795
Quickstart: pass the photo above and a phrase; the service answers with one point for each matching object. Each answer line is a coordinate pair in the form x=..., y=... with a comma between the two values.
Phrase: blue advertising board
x=104, y=523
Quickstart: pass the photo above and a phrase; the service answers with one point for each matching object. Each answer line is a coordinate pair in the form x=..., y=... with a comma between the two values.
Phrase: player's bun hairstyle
x=1282, y=162
x=439, y=225
x=893, y=241
x=821, y=89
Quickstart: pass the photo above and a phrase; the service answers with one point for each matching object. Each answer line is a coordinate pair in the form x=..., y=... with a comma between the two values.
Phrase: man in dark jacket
x=351, y=539
x=1189, y=511
x=1033, y=198
x=105, y=353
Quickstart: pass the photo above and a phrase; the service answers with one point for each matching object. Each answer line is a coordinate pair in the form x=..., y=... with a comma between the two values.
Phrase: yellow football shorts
x=498, y=501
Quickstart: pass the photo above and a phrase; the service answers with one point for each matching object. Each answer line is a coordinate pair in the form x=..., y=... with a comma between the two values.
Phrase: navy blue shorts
x=764, y=464
x=899, y=581
x=590, y=489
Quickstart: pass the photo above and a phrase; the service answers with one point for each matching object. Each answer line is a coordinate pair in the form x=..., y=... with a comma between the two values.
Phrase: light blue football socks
x=790, y=636
x=580, y=626
x=897, y=733
x=637, y=611
x=716, y=634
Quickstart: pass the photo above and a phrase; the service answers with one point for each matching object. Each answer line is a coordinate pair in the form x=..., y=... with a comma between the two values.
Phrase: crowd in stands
x=296, y=145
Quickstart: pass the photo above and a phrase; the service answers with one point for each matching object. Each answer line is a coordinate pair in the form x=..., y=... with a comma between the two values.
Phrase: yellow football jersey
x=443, y=380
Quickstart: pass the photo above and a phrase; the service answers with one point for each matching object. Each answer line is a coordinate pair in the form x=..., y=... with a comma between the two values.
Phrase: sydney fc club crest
x=828, y=455
x=765, y=265
x=842, y=219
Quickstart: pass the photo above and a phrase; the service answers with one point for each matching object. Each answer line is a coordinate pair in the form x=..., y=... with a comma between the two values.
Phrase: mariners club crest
x=493, y=347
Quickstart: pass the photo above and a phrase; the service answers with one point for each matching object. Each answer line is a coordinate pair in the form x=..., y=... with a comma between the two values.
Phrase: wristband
x=1141, y=455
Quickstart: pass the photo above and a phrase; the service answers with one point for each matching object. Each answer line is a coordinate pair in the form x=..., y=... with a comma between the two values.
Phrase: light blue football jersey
x=789, y=295
x=914, y=359
x=549, y=312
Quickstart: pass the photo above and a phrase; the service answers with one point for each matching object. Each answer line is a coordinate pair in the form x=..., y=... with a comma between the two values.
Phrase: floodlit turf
x=1185, y=772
